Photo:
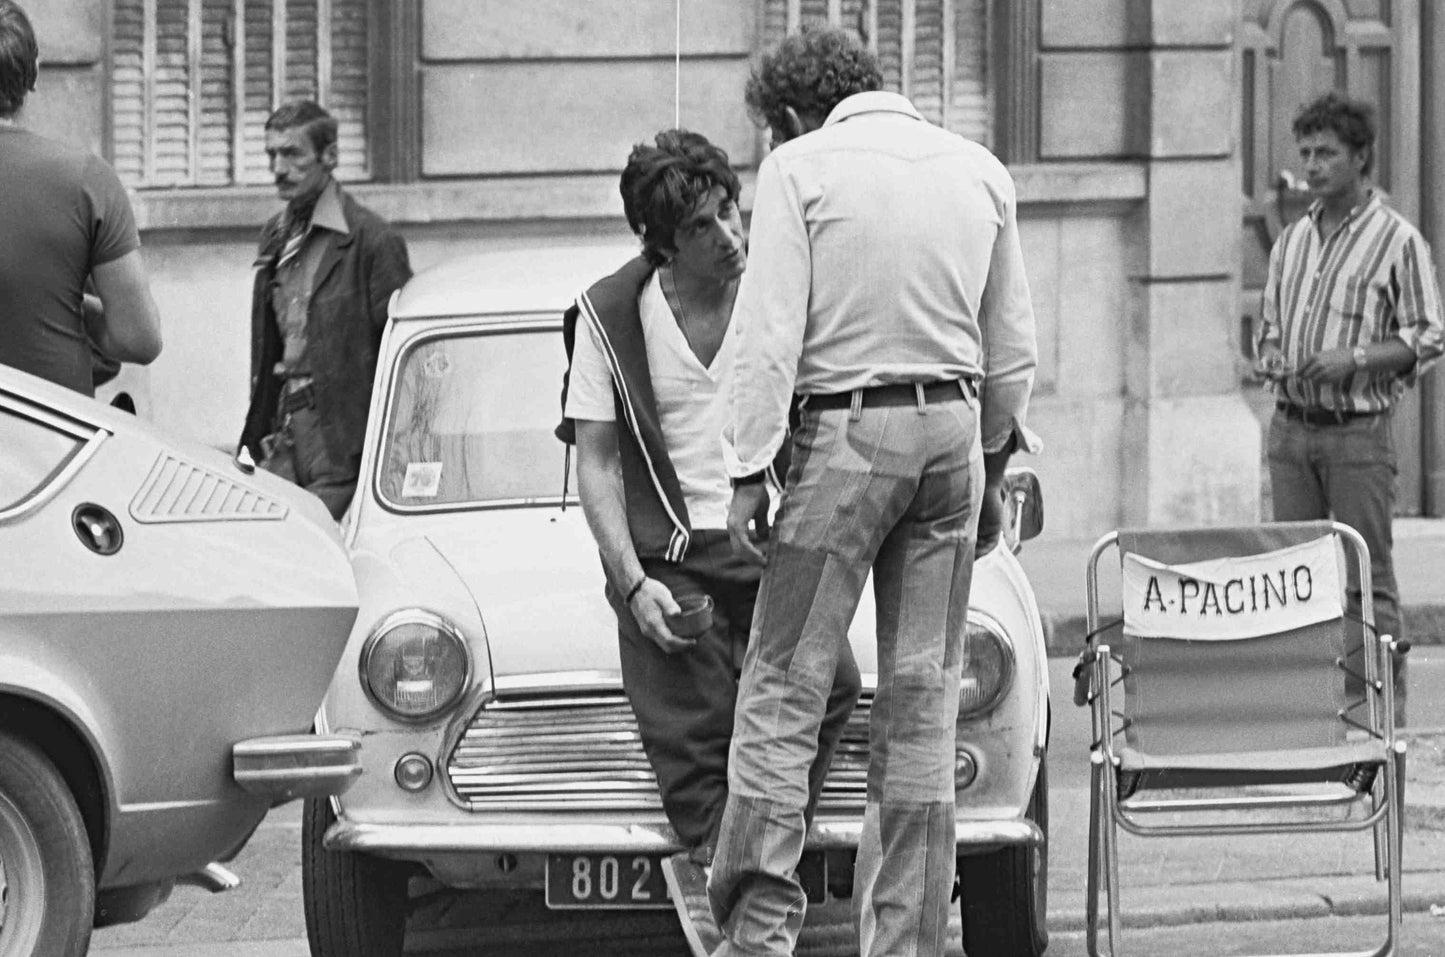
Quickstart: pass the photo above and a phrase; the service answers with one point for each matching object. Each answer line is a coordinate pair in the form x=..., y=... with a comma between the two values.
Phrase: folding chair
x=1231, y=667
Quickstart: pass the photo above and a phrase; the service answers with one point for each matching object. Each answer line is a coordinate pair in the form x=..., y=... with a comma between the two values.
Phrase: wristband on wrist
x=632, y=592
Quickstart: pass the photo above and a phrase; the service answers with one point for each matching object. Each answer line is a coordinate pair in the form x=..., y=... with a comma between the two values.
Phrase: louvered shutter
x=193, y=81
x=932, y=51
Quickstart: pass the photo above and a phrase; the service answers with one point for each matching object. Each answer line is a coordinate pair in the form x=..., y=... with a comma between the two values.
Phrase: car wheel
x=356, y=904
x=1003, y=902
x=47, y=879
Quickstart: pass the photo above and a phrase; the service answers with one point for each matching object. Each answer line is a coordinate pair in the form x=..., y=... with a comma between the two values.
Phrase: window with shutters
x=192, y=82
x=931, y=51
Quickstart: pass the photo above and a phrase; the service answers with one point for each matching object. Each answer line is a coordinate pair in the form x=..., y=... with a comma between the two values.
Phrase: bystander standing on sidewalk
x=326, y=269
x=1351, y=317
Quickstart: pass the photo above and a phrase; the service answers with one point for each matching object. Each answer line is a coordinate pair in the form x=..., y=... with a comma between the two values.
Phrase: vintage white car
x=499, y=755
x=168, y=626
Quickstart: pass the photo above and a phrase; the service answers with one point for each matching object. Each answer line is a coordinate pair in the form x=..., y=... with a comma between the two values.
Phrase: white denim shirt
x=883, y=250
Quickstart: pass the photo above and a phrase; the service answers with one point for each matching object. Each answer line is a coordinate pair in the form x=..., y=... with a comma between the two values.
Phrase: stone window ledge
x=573, y=197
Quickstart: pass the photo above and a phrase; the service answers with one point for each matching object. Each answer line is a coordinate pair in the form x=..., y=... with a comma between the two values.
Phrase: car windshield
x=469, y=421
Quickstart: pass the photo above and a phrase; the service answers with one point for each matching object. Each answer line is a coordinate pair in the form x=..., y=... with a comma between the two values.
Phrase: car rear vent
x=180, y=491
x=582, y=751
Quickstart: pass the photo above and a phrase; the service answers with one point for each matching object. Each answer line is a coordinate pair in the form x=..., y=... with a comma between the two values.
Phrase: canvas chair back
x=1231, y=640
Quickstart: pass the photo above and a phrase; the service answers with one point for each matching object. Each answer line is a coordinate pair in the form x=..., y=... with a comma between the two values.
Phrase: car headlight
x=988, y=667
x=415, y=665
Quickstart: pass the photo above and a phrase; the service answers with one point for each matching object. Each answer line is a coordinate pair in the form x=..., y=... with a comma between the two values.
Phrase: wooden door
x=1290, y=52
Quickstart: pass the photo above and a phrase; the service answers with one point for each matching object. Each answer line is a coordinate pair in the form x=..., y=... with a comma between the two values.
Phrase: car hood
x=537, y=580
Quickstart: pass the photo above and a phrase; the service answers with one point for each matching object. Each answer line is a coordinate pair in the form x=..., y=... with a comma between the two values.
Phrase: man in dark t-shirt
x=64, y=219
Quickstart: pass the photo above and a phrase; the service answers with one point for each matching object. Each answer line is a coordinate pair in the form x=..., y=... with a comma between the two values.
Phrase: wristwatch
x=1359, y=357
x=756, y=478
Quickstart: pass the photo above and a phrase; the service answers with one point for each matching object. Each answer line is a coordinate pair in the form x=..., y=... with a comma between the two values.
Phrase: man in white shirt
x=654, y=351
x=887, y=301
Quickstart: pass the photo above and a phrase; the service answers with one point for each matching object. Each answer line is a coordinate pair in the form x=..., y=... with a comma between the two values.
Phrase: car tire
x=1003, y=900
x=356, y=904
x=47, y=877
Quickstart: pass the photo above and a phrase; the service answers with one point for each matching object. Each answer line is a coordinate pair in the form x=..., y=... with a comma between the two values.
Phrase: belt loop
x=918, y=395
x=855, y=406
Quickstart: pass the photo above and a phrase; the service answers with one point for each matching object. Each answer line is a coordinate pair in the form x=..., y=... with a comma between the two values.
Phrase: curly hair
x=19, y=57
x=663, y=183
x=812, y=72
x=1353, y=121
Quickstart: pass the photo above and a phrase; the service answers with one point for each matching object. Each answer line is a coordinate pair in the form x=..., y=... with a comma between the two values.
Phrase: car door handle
x=97, y=529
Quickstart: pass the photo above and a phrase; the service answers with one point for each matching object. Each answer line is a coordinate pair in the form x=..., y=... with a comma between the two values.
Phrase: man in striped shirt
x=1351, y=318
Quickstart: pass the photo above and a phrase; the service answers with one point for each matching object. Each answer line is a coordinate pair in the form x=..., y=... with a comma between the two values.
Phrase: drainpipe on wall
x=1432, y=224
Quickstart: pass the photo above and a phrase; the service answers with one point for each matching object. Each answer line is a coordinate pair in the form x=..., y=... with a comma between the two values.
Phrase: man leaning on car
x=325, y=271
x=647, y=391
x=67, y=219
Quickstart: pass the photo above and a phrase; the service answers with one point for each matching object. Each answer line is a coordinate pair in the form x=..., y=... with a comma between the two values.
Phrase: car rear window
x=469, y=421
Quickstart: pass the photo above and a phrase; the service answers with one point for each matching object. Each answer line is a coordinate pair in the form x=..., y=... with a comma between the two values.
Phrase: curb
x=1293, y=899
x=1064, y=631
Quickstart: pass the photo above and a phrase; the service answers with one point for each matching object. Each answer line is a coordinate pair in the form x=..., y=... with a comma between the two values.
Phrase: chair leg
x=1091, y=886
x=1111, y=855
x=1379, y=794
x=1395, y=825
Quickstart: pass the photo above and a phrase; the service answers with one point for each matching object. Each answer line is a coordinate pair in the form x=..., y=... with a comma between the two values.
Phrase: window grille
x=932, y=51
x=192, y=82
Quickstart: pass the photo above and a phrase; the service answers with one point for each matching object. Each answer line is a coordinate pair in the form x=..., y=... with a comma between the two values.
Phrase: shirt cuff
x=1019, y=436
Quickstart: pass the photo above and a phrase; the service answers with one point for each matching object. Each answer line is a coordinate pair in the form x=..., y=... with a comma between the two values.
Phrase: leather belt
x=303, y=397
x=898, y=393
x=1319, y=416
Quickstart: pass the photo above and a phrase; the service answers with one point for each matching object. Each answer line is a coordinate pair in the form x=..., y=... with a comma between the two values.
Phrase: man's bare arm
x=128, y=326
x=604, y=502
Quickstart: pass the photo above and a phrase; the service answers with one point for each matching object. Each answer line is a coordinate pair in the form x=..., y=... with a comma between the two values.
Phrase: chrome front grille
x=574, y=751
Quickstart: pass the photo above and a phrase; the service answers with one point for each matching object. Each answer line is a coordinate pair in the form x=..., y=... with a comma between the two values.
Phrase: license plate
x=603, y=881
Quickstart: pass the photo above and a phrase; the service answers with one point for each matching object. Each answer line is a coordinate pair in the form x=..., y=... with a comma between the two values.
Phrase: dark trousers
x=685, y=702
x=1346, y=472
x=297, y=452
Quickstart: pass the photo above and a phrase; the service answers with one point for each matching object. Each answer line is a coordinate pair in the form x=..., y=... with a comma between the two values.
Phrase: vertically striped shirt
x=1371, y=280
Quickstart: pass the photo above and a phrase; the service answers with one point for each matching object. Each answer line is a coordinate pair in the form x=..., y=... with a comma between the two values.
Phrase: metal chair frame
x=1108, y=811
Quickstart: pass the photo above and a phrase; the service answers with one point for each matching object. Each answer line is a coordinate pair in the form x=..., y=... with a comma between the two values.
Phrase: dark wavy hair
x=319, y=125
x=663, y=183
x=811, y=71
x=1353, y=121
x=19, y=57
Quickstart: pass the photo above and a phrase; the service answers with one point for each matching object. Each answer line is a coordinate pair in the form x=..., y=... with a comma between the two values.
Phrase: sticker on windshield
x=423, y=480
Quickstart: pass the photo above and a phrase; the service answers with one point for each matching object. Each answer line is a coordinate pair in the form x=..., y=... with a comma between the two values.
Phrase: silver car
x=168, y=625
x=499, y=757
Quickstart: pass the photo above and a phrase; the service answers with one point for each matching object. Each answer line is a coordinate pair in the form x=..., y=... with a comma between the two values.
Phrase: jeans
x=685, y=702
x=895, y=491
x=1345, y=472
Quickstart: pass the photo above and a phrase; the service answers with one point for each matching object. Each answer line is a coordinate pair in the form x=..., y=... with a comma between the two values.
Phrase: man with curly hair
x=886, y=305
x=646, y=401
x=1351, y=317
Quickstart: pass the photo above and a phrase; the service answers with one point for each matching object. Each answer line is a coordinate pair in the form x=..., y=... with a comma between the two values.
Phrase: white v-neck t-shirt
x=692, y=401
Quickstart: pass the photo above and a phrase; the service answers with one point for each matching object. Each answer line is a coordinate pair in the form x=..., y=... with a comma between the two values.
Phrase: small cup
x=694, y=616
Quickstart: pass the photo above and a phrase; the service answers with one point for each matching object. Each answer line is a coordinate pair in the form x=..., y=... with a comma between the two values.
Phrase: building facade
x=1146, y=138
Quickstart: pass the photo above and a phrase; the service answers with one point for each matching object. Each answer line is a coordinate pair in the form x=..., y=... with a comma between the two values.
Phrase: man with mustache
x=326, y=268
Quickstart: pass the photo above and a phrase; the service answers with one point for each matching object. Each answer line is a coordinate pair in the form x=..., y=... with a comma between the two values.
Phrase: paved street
x=1170, y=887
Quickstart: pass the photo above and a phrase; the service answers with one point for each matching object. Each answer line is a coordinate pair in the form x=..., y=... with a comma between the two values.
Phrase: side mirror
x=1024, y=500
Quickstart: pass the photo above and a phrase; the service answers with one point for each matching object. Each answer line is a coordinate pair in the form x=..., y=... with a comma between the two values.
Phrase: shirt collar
x=874, y=101
x=1317, y=209
x=328, y=213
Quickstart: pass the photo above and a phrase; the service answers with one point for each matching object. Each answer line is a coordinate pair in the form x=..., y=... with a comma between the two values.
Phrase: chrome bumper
x=405, y=840
x=290, y=766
